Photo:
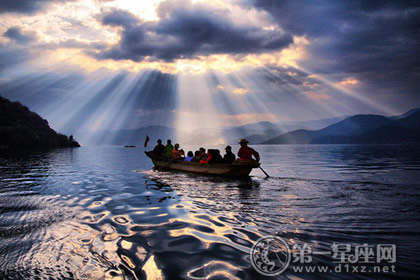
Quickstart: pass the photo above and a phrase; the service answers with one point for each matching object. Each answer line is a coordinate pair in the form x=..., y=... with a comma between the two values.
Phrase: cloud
x=77, y=44
x=188, y=30
x=240, y=91
x=375, y=42
x=25, y=6
x=353, y=35
x=349, y=82
x=19, y=36
x=317, y=96
x=22, y=6
x=117, y=17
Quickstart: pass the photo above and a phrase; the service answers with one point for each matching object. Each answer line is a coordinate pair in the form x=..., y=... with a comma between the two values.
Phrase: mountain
x=409, y=113
x=354, y=125
x=338, y=130
x=262, y=131
x=254, y=132
x=20, y=127
x=313, y=124
x=359, y=129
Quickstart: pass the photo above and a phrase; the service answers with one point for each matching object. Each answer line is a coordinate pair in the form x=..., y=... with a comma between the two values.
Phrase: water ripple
x=86, y=214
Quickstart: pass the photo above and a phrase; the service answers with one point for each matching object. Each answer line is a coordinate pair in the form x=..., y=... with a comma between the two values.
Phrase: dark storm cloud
x=187, y=30
x=25, y=6
x=22, y=6
x=19, y=36
x=117, y=17
x=354, y=35
x=375, y=41
x=28, y=41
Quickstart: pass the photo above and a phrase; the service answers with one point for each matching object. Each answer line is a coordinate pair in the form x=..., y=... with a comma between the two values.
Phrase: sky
x=97, y=65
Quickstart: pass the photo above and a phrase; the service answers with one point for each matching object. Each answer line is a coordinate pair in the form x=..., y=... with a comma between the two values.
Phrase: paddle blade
x=146, y=141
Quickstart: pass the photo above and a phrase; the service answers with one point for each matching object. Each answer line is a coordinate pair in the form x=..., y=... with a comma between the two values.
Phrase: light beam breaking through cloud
x=92, y=66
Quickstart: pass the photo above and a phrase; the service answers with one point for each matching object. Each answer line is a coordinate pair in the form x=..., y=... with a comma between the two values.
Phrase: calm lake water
x=98, y=212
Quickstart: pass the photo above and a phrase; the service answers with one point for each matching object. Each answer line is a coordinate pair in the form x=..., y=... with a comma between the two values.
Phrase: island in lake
x=19, y=127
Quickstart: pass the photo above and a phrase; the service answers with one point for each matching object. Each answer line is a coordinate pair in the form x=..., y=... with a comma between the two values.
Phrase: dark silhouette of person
x=159, y=149
x=229, y=157
x=196, y=157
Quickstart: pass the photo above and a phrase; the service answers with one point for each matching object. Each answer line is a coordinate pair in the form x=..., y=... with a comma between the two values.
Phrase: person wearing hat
x=229, y=157
x=246, y=153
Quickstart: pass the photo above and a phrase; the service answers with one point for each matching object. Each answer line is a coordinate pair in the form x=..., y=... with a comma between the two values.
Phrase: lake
x=102, y=212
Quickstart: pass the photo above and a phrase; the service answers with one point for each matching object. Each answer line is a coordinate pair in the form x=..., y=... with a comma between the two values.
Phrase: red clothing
x=207, y=158
x=245, y=153
x=177, y=153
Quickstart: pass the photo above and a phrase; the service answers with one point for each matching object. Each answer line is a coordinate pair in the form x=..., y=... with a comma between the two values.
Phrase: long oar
x=266, y=174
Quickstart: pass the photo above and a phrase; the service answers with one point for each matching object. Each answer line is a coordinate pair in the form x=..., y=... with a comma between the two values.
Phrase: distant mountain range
x=254, y=132
x=359, y=129
x=261, y=131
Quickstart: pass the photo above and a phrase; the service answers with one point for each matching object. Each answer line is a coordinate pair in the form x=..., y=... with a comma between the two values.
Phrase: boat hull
x=236, y=169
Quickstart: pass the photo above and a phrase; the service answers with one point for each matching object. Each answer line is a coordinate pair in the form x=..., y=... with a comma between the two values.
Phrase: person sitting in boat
x=196, y=157
x=189, y=156
x=159, y=149
x=245, y=153
x=206, y=159
x=202, y=153
x=177, y=153
x=229, y=157
x=168, y=148
x=215, y=156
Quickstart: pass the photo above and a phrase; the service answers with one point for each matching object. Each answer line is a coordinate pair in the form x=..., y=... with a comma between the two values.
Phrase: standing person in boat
x=159, y=149
x=229, y=157
x=168, y=148
x=245, y=153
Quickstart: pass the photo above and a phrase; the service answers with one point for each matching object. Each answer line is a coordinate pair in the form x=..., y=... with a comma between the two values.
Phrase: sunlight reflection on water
x=86, y=213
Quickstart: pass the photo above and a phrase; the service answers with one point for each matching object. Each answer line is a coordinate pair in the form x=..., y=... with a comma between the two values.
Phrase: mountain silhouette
x=359, y=129
x=19, y=127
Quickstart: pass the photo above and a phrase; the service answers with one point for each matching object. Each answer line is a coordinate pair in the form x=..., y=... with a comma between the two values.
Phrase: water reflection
x=87, y=213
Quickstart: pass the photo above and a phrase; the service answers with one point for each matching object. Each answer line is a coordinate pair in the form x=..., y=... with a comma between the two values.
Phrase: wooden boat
x=236, y=169
x=129, y=146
